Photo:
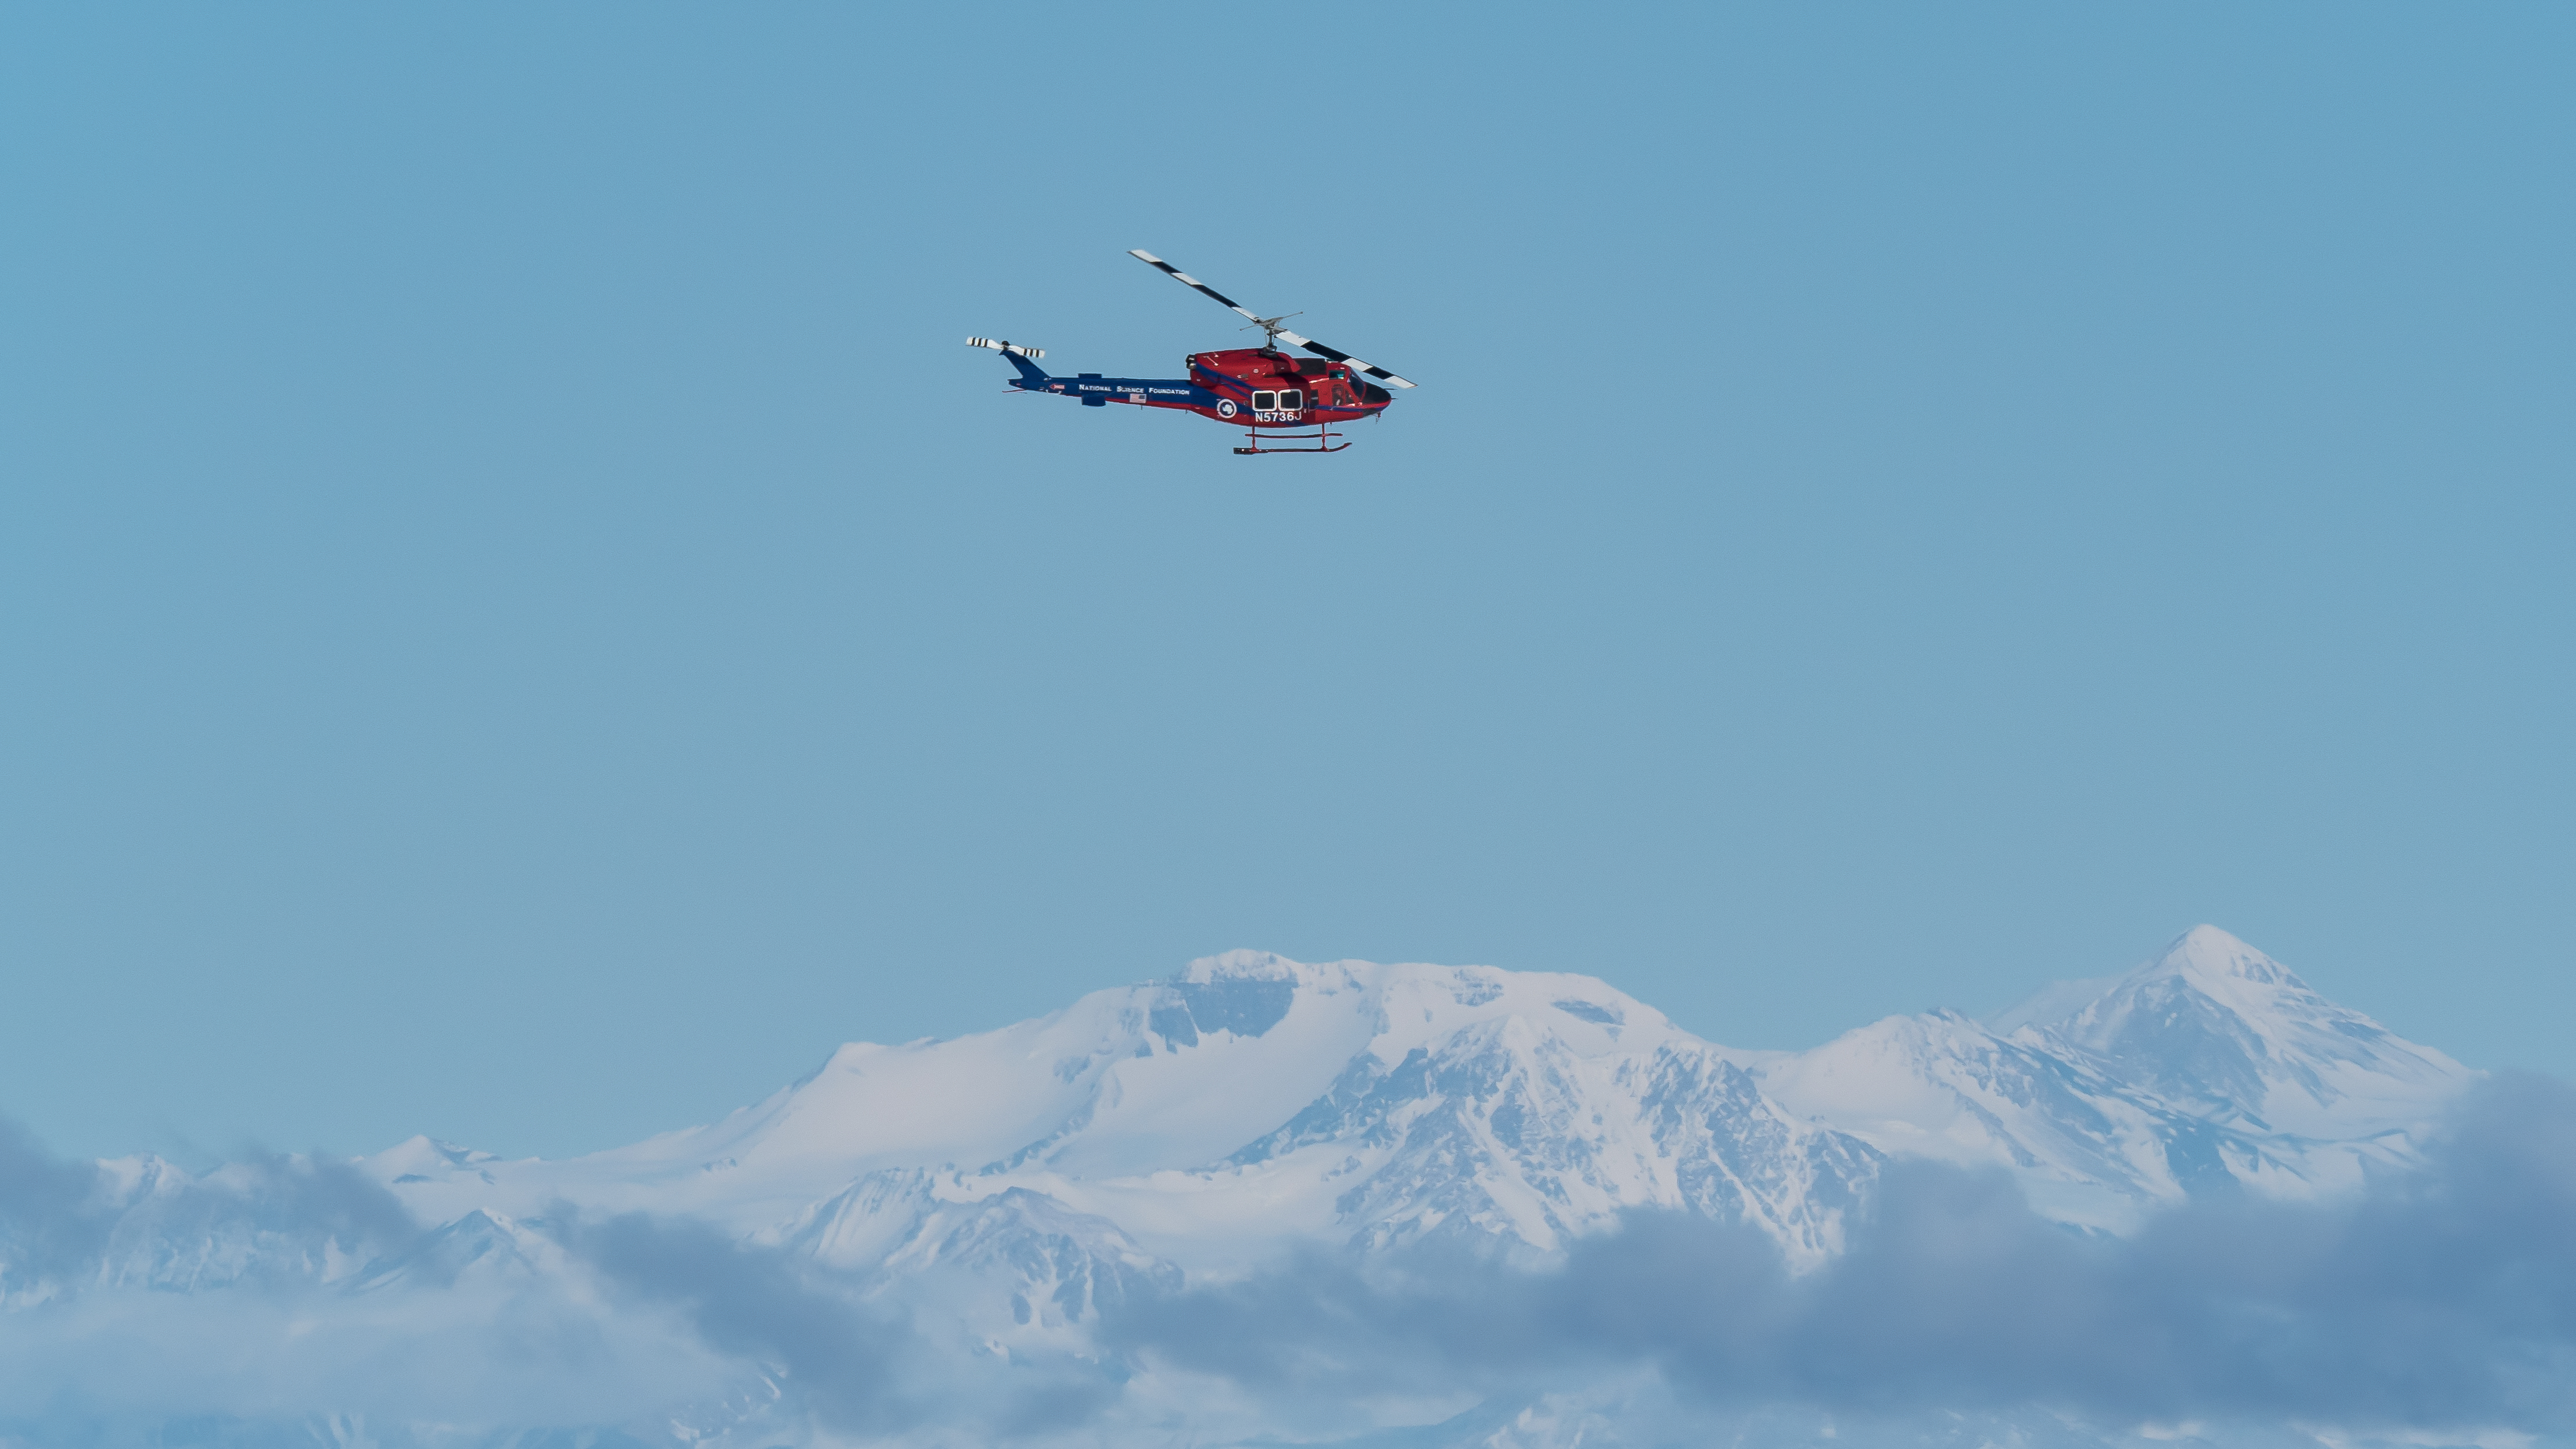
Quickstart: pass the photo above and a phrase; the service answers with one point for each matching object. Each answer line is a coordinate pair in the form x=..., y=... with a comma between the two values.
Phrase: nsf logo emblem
x=1225, y=407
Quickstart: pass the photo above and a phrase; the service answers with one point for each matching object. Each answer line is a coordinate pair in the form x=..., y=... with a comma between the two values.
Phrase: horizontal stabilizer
x=1000, y=346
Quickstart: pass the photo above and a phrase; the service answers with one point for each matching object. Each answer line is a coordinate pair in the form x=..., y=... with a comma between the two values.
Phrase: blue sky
x=523, y=622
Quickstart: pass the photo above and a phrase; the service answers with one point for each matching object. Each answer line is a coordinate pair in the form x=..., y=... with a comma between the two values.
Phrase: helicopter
x=1266, y=392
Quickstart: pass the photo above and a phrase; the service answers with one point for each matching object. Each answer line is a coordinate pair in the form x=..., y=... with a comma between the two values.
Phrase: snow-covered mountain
x=1007, y=1187
x=2209, y=1067
x=1246, y=1105
x=1252, y=1102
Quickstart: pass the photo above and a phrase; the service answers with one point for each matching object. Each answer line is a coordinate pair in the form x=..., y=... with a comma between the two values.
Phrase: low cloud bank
x=278, y=1296
x=861, y=1364
x=72, y=1226
x=763, y=1306
x=2435, y=1298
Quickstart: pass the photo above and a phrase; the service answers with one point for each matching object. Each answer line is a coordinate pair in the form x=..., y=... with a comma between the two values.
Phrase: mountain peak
x=2223, y=1030
x=2206, y=952
x=2207, y=958
x=1240, y=964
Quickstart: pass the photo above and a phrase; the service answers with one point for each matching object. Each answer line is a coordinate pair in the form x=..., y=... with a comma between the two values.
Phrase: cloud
x=137, y=1360
x=860, y=1363
x=2435, y=1298
x=52, y=1218
x=85, y=1224
x=766, y=1306
x=280, y=1291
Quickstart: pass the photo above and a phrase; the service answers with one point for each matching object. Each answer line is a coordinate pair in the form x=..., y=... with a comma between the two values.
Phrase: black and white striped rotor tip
x=1337, y=355
x=1268, y=324
x=1186, y=280
x=1000, y=346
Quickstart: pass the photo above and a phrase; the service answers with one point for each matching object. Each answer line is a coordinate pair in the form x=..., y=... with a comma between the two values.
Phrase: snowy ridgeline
x=1203, y=1124
x=1193, y=1131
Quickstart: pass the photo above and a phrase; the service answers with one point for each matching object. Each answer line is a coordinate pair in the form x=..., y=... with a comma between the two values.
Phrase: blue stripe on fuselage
x=1120, y=389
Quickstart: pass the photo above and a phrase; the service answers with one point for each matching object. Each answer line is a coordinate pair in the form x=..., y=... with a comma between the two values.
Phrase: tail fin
x=1016, y=355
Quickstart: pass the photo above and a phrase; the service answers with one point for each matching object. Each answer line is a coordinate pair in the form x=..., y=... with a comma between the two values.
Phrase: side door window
x=1291, y=400
x=1263, y=402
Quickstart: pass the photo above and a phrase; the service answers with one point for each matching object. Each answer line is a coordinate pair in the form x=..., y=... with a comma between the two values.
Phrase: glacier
x=972, y=1216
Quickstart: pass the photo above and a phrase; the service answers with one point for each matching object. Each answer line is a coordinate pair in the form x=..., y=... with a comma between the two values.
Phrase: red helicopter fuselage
x=1262, y=387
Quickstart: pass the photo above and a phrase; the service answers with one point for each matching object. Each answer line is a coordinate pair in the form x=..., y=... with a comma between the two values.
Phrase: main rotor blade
x=1338, y=355
x=1186, y=280
x=1319, y=349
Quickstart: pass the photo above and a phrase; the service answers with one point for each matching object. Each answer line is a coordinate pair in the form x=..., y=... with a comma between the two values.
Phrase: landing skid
x=1322, y=439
